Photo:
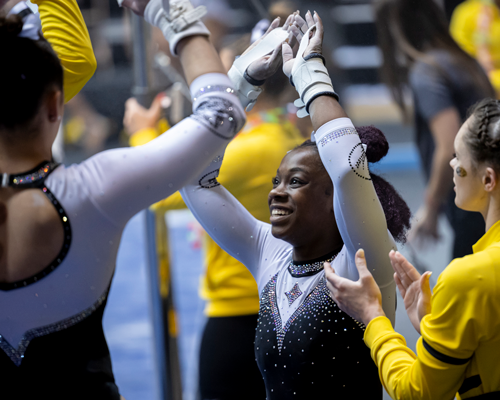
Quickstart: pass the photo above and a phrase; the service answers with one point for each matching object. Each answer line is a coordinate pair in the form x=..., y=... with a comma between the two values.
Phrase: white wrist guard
x=310, y=78
x=180, y=21
x=248, y=93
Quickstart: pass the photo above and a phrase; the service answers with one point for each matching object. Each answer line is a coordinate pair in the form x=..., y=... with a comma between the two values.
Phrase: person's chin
x=279, y=231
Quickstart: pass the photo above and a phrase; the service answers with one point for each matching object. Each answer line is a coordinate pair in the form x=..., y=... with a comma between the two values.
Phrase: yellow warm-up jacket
x=465, y=29
x=64, y=28
x=459, y=351
x=250, y=162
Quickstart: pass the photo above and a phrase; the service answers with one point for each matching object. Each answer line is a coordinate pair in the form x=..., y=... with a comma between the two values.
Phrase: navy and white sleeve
x=358, y=212
x=121, y=182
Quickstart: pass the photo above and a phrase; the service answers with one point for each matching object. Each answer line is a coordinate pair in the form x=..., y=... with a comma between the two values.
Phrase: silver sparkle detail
x=293, y=294
x=307, y=269
x=17, y=355
x=35, y=176
x=336, y=134
x=213, y=88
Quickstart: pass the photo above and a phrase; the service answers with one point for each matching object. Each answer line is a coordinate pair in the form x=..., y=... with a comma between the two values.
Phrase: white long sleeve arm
x=358, y=212
x=122, y=182
x=223, y=217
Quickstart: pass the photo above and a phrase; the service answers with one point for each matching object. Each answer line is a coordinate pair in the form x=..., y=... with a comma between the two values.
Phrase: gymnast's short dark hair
x=29, y=68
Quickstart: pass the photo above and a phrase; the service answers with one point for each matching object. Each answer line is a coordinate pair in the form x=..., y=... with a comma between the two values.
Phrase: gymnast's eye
x=275, y=182
x=295, y=181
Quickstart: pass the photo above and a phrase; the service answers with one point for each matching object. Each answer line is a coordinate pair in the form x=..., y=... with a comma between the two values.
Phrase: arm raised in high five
x=358, y=212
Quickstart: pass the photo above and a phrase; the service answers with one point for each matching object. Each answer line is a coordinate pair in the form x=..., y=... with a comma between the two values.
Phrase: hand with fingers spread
x=307, y=71
x=267, y=65
x=362, y=299
x=260, y=61
x=298, y=27
x=414, y=288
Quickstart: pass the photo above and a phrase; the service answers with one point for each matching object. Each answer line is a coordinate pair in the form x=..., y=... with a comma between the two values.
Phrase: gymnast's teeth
x=280, y=212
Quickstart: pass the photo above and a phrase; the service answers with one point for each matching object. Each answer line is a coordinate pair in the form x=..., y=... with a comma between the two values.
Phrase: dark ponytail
x=397, y=213
x=28, y=70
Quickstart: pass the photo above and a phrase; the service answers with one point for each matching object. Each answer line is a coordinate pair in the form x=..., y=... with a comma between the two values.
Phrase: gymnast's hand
x=267, y=66
x=414, y=288
x=298, y=27
x=137, y=6
x=362, y=299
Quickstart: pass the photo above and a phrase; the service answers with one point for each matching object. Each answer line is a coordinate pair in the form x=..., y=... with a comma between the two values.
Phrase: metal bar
x=141, y=89
x=165, y=338
x=156, y=305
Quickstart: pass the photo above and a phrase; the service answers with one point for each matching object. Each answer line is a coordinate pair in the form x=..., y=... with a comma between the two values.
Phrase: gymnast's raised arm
x=121, y=182
x=358, y=212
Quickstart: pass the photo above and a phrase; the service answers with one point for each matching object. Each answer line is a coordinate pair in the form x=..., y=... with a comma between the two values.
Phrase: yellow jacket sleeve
x=450, y=335
x=64, y=28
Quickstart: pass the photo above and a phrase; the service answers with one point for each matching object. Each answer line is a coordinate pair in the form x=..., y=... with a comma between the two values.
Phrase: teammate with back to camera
x=71, y=218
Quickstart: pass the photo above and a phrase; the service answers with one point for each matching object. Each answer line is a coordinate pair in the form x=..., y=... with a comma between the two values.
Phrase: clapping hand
x=362, y=299
x=414, y=288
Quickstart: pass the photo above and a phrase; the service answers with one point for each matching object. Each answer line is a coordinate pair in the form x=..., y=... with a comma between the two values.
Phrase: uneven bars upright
x=164, y=345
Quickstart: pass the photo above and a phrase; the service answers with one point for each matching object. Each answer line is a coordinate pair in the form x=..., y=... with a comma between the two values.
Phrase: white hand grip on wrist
x=248, y=93
x=181, y=20
x=310, y=78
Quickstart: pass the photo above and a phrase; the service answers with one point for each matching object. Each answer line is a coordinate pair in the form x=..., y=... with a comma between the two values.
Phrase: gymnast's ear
x=490, y=179
x=54, y=104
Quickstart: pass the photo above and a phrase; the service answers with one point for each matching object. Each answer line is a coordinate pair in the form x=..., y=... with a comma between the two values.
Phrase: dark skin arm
x=324, y=108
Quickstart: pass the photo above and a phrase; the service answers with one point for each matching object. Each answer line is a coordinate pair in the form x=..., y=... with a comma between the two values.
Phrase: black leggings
x=228, y=369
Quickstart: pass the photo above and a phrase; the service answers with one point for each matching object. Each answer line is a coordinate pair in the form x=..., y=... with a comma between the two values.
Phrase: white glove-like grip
x=310, y=78
x=183, y=20
x=248, y=93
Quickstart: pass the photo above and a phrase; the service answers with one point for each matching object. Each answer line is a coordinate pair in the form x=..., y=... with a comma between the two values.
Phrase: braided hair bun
x=483, y=137
x=376, y=143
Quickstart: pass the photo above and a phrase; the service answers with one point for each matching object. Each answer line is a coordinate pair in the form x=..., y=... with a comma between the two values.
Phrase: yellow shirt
x=465, y=28
x=64, y=28
x=459, y=350
x=250, y=162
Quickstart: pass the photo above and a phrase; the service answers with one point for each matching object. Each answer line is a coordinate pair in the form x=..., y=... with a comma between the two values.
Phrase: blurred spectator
x=475, y=25
x=419, y=52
